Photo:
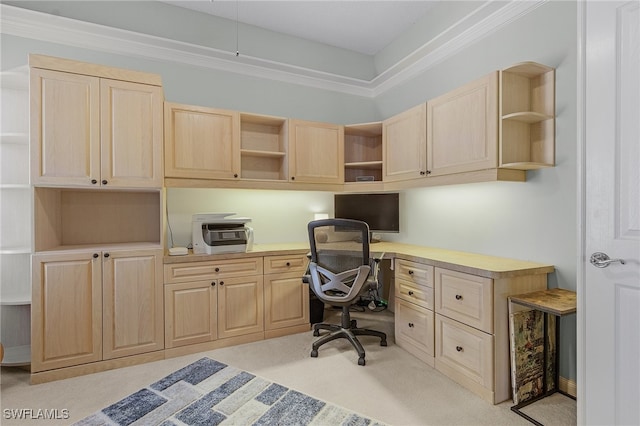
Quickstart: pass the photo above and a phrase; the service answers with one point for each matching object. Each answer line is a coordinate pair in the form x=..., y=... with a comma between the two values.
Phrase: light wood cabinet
x=94, y=305
x=462, y=128
x=66, y=310
x=201, y=143
x=210, y=300
x=263, y=147
x=240, y=306
x=191, y=313
x=363, y=152
x=90, y=131
x=132, y=297
x=316, y=152
x=286, y=297
x=527, y=116
x=414, y=317
x=471, y=328
x=404, y=145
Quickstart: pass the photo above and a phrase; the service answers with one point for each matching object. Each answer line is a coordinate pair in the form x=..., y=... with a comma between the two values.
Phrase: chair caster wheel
x=383, y=343
x=361, y=361
x=314, y=354
x=316, y=333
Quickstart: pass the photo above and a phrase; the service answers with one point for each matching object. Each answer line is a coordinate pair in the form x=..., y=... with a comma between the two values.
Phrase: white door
x=609, y=344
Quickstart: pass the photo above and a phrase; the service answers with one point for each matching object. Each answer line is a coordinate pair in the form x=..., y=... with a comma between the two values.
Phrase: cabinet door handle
x=288, y=264
x=411, y=325
x=459, y=348
x=221, y=282
x=217, y=269
x=410, y=272
x=94, y=181
x=95, y=255
x=106, y=255
x=410, y=293
x=458, y=297
x=104, y=181
x=293, y=178
x=213, y=283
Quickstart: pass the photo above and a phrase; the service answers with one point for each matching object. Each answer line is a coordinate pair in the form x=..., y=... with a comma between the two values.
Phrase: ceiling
x=364, y=26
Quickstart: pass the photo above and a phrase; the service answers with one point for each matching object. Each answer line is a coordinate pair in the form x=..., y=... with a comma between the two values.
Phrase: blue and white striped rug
x=209, y=392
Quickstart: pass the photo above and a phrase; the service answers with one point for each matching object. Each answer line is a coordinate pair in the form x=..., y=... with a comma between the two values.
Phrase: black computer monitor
x=380, y=210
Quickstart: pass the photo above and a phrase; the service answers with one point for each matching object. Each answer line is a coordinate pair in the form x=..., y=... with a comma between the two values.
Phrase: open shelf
x=16, y=356
x=67, y=218
x=363, y=152
x=527, y=116
x=263, y=147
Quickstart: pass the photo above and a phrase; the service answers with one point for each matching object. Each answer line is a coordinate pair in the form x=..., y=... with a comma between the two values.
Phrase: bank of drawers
x=414, y=319
x=464, y=327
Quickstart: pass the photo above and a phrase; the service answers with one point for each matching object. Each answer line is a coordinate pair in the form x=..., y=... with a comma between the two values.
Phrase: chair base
x=348, y=330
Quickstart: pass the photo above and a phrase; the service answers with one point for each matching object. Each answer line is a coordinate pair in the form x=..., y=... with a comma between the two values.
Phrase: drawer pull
x=221, y=282
x=217, y=269
x=458, y=297
x=410, y=293
x=288, y=264
x=459, y=348
x=410, y=272
x=213, y=283
x=411, y=325
x=96, y=255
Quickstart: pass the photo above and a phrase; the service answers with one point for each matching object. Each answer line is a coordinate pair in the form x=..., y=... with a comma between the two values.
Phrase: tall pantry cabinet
x=96, y=171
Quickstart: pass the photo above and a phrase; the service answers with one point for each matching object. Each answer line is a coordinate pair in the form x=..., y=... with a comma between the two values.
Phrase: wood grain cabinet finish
x=404, y=145
x=191, y=313
x=286, y=297
x=462, y=128
x=471, y=329
x=201, y=143
x=316, y=152
x=89, y=131
x=94, y=305
x=414, y=315
x=240, y=306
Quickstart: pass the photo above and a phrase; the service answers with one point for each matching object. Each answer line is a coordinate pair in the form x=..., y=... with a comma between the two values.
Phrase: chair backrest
x=339, y=264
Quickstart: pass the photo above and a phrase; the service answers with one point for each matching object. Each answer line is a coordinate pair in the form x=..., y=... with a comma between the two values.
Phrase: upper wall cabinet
x=527, y=116
x=462, y=128
x=263, y=147
x=201, y=143
x=91, y=131
x=363, y=152
x=404, y=145
x=316, y=152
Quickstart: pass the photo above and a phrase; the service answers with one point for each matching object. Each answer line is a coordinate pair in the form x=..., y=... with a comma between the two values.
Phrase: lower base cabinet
x=95, y=305
x=190, y=313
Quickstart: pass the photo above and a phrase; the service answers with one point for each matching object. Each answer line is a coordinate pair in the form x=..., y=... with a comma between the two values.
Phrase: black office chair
x=339, y=272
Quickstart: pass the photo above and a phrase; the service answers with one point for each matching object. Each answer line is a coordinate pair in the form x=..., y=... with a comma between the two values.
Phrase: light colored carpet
x=394, y=387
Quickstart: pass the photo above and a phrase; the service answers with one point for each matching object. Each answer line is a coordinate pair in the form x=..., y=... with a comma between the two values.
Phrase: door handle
x=602, y=260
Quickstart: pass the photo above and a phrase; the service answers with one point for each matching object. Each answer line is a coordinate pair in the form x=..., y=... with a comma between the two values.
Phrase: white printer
x=214, y=233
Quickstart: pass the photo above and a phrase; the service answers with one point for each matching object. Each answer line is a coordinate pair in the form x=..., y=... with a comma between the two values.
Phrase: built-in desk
x=450, y=306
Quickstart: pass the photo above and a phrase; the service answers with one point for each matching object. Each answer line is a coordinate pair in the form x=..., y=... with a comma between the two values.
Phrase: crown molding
x=30, y=24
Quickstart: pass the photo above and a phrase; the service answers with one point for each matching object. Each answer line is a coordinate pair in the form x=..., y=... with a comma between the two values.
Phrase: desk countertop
x=472, y=263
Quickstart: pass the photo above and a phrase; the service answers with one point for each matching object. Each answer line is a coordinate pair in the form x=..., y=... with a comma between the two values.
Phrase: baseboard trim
x=567, y=386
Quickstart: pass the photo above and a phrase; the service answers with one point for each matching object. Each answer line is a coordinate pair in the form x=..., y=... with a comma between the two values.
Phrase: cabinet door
x=133, y=307
x=404, y=145
x=190, y=313
x=201, y=143
x=462, y=128
x=65, y=128
x=316, y=152
x=286, y=300
x=131, y=136
x=66, y=313
x=240, y=306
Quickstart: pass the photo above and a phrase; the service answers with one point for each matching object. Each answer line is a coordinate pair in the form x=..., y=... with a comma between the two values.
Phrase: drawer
x=414, y=272
x=465, y=351
x=414, y=293
x=464, y=297
x=212, y=269
x=414, y=328
x=285, y=263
